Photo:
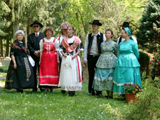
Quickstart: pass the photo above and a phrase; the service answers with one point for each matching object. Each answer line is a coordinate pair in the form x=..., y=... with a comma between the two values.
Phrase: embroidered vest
x=99, y=41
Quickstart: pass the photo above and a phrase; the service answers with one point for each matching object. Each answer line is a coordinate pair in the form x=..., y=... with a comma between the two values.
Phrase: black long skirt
x=23, y=77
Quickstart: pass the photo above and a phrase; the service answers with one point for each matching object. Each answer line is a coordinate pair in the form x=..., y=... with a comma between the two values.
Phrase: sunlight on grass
x=49, y=106
x=3, y=74
x=2, y=83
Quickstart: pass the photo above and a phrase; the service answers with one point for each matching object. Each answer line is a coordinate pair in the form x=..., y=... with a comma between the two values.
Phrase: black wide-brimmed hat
x=125, y=24
x=36, y=22
x=96, y=22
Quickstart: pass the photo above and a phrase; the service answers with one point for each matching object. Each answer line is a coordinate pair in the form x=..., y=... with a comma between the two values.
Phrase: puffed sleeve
x=135, y=49
x=41, y=45
x=104, y=37
x=12, y=51
x=61, y=48
x=116, y=49
x=85, y=48
x=56, y=44
x=80, y=46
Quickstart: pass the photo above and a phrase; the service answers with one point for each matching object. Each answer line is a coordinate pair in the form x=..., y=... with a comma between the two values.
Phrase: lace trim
x=122, y=84
x=71, y=88
x=99, y=79
x=48, y=76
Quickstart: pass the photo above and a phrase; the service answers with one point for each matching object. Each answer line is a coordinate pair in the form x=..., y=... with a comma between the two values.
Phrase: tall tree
x=149, y=30
x=4, y=11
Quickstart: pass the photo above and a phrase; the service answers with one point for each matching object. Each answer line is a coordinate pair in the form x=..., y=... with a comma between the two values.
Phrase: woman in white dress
x=71, y=69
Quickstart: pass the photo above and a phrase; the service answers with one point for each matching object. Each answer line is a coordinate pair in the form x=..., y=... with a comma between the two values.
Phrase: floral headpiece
x=65, y=25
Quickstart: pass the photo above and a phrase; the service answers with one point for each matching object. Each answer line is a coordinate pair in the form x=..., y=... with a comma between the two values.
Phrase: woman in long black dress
x=9, y=76
x=23, y=77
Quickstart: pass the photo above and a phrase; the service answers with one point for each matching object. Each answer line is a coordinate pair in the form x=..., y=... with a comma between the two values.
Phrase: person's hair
x=46, y=29
x=74, y=30
x=110, y=31
x=19, y=32
x=125, y=30
x=71, y=27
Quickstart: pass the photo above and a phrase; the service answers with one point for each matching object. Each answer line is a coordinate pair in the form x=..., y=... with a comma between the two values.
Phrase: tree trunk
x=26, y=35
x=7, y=47
x=29, y=22
x=1, y=46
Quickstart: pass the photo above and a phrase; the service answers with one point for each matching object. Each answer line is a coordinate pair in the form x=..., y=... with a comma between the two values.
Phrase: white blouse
x=56, y=44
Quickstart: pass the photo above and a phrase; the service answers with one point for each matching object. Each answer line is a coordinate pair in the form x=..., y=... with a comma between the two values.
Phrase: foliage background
x=19, y=14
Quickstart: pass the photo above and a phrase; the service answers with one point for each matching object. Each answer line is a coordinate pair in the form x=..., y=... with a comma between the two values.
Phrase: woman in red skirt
x=49, y=59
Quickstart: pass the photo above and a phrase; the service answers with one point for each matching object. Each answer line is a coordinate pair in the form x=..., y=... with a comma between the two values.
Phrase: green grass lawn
x=3, y=74
x=55, y=106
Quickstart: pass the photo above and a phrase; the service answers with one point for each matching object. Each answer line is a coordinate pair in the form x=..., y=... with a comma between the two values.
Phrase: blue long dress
x=127, y=66
x=103, y=78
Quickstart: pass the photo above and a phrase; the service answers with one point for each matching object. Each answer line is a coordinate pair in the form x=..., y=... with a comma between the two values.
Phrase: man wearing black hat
x=120, y=39
x=33, y=46
x=92, y=51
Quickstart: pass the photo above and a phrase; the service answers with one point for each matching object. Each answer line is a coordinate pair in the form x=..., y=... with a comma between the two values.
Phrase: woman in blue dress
x=127, y=65
x=103, y=79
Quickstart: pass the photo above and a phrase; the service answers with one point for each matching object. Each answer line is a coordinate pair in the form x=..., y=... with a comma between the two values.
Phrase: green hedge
x=144, y=62
x=4, y=69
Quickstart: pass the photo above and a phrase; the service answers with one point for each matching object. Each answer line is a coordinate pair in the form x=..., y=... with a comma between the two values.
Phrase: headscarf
x=19, y=31
x=129, y=32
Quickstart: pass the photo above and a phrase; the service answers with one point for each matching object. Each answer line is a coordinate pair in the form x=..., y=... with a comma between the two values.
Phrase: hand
x=37, y=53
x=39, y=62
x=85, y=63
x=73, y=57
x=65, y=55
x=58, y=61
x=15, y=66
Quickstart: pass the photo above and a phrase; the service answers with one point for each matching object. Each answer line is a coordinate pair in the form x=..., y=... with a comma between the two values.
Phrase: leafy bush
x=144, y=62
x=146, y=109
x=4, y=69
x=155, y=67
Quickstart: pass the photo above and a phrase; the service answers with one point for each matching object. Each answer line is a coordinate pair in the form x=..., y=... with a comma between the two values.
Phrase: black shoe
x=110, y=97
x=99, y=93
x=21, y=91
x=42, y=90
x=122, y=95
x=63, y=91
x=106, y=96
x=71, y=93
x=93, y=93
x=34, y=90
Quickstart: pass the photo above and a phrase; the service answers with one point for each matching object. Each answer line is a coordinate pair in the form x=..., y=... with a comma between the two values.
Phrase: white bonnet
x=19, y=31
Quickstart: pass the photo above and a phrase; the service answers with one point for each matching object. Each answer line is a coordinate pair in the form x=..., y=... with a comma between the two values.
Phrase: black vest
x=99, y=41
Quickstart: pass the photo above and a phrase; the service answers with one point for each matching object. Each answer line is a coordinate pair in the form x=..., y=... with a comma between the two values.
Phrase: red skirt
x=48, y=72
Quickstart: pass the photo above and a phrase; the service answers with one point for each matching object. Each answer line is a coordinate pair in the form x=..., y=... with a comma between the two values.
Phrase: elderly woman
x=49, y=59
x=127, y=65
x=23, y=77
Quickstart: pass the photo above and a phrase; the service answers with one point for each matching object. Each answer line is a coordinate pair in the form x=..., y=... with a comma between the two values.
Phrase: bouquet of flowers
x=132, y=88
x=155, y=66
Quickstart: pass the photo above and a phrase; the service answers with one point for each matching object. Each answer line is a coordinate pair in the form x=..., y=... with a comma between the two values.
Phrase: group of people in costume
x=110, y=64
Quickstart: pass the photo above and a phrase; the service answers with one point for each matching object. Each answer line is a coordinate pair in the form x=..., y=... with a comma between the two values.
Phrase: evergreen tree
x=4, y=10
x=149, y=30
